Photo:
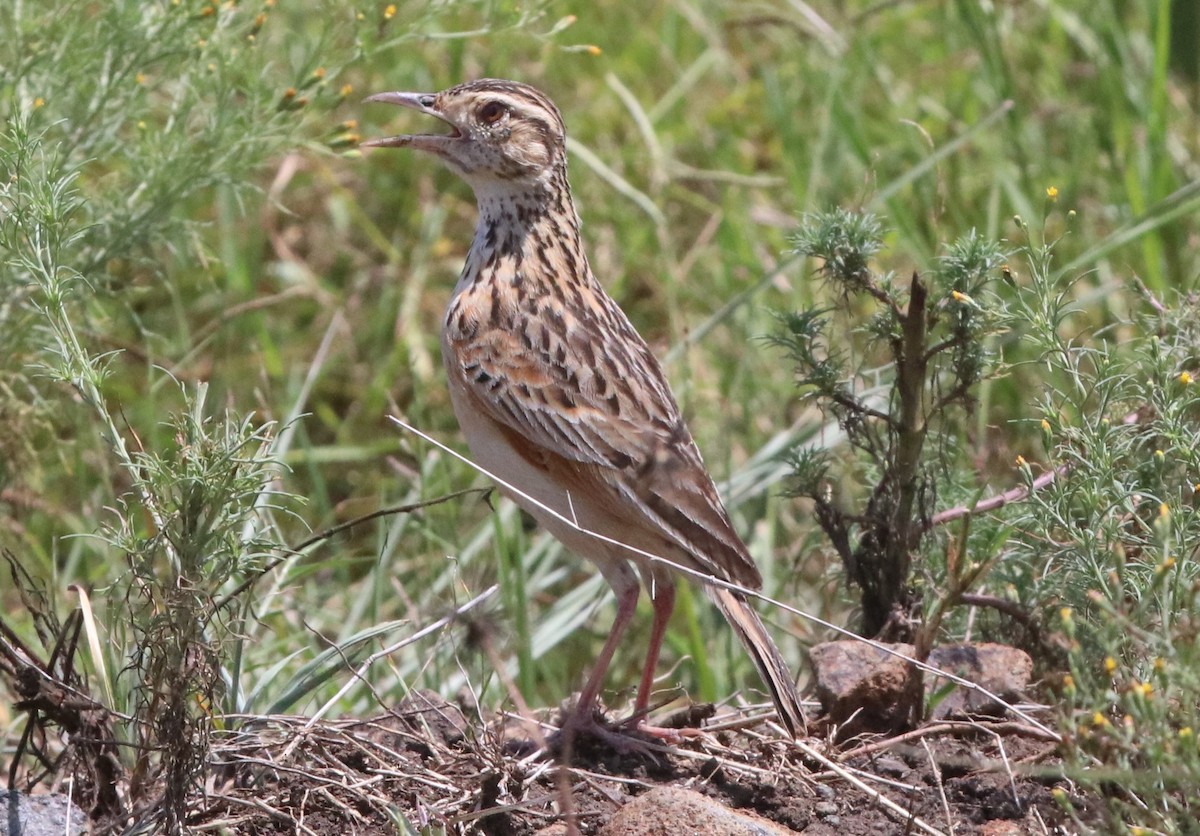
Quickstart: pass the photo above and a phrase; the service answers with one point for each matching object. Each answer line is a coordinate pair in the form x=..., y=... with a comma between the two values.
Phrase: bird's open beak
x=425, y=103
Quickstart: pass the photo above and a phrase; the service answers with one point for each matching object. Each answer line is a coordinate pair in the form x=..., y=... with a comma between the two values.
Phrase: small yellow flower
x=289, y=93
x=1185, y=378
x=1160, y=664
x=1021, y=461
x=1066, y=615
x=593, y=49
x=39, y=102
x=1099, y=720
x=1186, y=734
x=140, y=78
x=1068, y=681
x=1052, y=193
x=350, y=125
x=1163, y=511
x=346, y=90
x=319, y=73
x=1045, y=426
x=390, y=11
x=1110, y=664
x=1143, y=688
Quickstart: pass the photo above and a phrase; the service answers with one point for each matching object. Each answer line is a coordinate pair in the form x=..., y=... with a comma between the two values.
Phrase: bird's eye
x=491, y=112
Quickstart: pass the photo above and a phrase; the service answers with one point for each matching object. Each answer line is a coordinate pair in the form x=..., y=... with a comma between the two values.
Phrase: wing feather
x=590, y=403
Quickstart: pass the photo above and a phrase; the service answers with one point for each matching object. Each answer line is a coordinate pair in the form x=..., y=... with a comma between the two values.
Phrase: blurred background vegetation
x=200, y=267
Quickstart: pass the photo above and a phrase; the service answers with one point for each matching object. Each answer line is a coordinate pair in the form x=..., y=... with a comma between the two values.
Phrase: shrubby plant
x=1095, y=550
x=896, y=361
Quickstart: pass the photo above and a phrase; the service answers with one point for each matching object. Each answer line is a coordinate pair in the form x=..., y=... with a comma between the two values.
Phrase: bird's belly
x=549, y=502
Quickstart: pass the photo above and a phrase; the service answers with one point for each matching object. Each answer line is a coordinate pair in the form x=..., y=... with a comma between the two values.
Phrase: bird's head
x=502, y=133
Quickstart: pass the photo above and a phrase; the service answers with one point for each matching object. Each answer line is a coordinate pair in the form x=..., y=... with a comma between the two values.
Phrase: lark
x=561, y=399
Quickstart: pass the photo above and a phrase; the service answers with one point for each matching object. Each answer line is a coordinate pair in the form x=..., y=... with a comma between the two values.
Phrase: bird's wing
x=585, y=399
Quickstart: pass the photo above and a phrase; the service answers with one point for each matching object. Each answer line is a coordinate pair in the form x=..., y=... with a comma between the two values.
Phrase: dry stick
x=945, y=728
x=993, y=503
x=1014, y=495
x=1012, y=779
x=837, y=769
x=936, y=771
x=561, y=784
x=733, y=587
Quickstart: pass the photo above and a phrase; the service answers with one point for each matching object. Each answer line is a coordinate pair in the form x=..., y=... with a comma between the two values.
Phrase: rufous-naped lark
x=557, y=394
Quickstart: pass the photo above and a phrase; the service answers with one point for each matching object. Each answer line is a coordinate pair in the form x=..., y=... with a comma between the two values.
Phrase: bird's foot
x=670, y=735
x=634, y=735
x=585, y=729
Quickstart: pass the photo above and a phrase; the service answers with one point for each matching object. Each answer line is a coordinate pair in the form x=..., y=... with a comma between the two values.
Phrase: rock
x=855, y=679
x=863, y=686
x=1001, y=669
x=39, y=815
x=673, y=811
x=825, y=809
x=825, y=791
x=890, y=767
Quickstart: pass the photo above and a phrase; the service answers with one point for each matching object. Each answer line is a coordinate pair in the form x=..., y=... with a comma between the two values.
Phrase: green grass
x=215, y=229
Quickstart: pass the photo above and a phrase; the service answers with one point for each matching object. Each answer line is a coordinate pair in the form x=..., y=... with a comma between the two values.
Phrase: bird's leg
x=625, y=586
x=583, y=717
x=662, y=596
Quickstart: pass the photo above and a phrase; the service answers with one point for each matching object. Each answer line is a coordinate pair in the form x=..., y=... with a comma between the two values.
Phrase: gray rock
x=825, y=809
x=39, y=815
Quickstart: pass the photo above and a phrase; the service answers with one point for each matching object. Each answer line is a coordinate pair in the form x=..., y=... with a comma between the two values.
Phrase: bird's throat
x=526, y=236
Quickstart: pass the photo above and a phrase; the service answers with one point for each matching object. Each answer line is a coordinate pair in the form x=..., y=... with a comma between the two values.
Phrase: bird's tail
x=771, y=667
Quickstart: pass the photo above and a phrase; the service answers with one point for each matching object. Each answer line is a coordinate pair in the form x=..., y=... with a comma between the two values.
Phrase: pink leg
x=662, y=595
x=625, y=585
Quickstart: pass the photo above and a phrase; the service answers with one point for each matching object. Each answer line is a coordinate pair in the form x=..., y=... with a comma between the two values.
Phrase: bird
x=562, y=400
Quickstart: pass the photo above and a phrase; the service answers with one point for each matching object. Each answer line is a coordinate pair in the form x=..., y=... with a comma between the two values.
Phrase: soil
x=425, y=763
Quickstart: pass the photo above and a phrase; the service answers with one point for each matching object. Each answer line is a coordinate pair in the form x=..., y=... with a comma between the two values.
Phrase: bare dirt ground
x=425, y=763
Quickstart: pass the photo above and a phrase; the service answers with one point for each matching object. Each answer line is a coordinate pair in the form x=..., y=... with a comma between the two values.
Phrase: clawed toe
x=580, y=730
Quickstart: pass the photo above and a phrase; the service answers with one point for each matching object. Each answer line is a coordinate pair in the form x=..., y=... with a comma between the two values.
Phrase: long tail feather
x=771, y=667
